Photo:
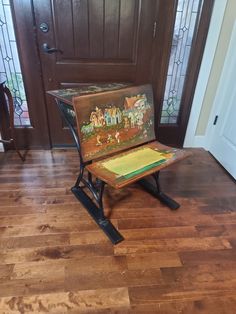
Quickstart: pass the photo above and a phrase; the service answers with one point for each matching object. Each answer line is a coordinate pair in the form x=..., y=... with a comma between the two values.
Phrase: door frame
x=177, y=131
x=23, y=21
x=191, y=139
x=221, y=108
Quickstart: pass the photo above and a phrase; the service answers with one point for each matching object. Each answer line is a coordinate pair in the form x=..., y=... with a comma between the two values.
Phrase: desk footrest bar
x=105, y=224
x=165, y=199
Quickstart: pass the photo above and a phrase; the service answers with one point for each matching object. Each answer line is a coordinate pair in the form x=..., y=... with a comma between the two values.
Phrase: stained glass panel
x=10, y=67
x=185, y=22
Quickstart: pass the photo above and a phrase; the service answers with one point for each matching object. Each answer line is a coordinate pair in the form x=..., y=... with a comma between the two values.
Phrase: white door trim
x=224, y=82
x=209, y=53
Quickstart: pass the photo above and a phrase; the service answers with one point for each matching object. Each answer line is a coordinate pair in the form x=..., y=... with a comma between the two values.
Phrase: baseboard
x=198, y=141
x=1, y=145
x=1, y=148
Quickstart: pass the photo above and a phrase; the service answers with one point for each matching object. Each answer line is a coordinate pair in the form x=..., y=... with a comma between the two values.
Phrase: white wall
x=212, y=63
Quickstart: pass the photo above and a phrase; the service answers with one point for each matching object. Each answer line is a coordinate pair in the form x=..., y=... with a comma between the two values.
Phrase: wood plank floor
x=54, y=259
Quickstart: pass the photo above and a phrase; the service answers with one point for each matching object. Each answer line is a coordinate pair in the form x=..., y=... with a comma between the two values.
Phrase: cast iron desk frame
x=96, y=187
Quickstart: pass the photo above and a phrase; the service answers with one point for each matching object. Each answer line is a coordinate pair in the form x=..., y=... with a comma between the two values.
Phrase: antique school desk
x=113, y=129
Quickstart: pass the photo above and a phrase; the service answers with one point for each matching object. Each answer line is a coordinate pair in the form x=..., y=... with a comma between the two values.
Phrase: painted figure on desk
x=99, y=143
x=117, y=136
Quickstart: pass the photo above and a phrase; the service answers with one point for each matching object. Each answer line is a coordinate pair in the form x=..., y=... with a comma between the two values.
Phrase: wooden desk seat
x=170, y=156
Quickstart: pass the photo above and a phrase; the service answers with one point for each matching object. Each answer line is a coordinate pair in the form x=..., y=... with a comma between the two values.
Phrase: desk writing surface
x=66, y=95
x=133, y=161
x=168, y=156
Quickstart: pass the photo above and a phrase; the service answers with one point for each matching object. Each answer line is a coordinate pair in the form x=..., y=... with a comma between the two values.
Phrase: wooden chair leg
x=156, y=191
x=11, y=119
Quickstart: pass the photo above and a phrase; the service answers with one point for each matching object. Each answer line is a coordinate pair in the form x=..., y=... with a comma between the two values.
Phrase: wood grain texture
x=54, y=259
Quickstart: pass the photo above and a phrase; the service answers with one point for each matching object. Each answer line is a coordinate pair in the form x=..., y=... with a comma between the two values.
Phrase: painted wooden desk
x=113, y=128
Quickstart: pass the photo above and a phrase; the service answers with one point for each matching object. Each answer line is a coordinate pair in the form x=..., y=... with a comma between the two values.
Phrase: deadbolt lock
x=44, y=27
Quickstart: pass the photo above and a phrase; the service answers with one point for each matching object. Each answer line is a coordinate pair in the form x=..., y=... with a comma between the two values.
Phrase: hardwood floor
x=54, y=259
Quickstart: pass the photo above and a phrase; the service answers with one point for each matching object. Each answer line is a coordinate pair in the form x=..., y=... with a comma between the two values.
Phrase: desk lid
x=67, y=94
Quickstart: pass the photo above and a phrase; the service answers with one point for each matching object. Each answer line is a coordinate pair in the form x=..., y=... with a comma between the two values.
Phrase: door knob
x=49, y=50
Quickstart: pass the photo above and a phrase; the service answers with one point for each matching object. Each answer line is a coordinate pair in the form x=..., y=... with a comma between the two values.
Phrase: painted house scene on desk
x=115, y=125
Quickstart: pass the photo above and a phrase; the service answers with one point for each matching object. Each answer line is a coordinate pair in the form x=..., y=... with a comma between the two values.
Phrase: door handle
x=49, y=50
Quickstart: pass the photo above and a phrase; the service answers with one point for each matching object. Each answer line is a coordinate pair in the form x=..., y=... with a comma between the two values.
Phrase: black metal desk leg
x=156, y=191
x=96, y=210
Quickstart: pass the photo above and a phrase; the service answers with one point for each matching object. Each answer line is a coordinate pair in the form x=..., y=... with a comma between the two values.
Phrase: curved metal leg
x=100, y=189
x=80, y=176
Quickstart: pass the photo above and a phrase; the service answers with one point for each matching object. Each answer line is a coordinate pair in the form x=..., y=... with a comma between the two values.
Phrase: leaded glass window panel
x=185, y=22
x=10, y=68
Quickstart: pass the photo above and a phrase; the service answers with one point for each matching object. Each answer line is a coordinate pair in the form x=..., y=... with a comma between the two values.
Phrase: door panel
x=98, y=29
x=101, y=41
x=223, y=142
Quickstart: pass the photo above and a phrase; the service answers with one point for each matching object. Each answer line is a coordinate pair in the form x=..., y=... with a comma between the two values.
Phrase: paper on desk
x=133, y=161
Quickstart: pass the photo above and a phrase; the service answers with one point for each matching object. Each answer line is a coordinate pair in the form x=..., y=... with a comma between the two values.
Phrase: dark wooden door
x=96, y=41
x=102, y=41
